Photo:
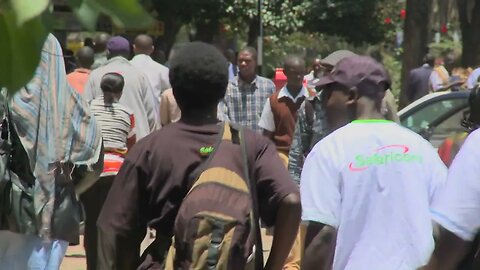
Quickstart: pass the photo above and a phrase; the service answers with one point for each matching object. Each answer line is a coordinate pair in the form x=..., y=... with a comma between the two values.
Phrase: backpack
x=217, y=222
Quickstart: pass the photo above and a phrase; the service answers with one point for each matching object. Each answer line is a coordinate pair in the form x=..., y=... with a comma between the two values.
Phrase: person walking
x=157, y=74
x=138, y=94
x=100, y=48
x=56, y=154
x=246, y=93
x=79, y=77
x=278, y=121
x=117, y=125
x=455, y=208
x=418, y=81
x=367, y=188
x=151, y=189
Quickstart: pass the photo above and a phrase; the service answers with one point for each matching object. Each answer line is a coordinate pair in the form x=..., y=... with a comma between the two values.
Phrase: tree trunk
x=252, y=33
x=415, y=39
x=206, y=31
x=468, y=11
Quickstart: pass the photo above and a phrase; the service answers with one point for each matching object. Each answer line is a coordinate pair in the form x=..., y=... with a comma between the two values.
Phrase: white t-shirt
x=373, y=181
x=457, y=206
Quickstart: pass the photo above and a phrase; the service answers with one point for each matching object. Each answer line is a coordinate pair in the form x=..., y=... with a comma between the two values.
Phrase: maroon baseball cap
x=361, y=72
x=118, y=44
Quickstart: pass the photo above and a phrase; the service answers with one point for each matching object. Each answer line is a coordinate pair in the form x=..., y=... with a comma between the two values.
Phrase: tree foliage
x=357, y=21
x=24, y=26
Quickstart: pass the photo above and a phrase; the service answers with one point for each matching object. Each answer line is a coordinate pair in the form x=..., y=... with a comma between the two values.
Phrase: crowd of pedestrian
x=213, y=157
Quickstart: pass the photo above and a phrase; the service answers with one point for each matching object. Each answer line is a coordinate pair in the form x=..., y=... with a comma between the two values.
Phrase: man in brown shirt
x=154, y=179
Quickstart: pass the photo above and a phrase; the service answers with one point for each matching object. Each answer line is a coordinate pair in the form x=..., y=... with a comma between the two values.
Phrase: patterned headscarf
x=54, y=125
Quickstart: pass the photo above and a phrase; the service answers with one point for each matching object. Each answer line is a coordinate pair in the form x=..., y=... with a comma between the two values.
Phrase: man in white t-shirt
x=366, y=188
x=456, y=208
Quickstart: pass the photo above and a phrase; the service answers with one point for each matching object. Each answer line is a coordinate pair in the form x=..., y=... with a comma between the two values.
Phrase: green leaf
x=21, y=46
x=26, y=10
x=124, y=13
x=87, y=13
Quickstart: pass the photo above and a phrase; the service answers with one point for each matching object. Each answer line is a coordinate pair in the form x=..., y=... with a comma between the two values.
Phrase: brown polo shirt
x=153, y=181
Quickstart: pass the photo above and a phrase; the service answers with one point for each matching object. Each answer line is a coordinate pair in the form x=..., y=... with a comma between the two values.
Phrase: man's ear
x=352, y=96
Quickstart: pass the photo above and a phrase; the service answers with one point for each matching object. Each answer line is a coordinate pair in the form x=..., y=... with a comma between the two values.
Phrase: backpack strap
x=255, y=209
x=223, y=134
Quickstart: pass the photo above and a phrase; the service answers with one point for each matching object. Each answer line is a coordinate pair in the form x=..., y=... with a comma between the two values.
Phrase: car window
x=422, y=118
x=451, y=124
x=447, y=128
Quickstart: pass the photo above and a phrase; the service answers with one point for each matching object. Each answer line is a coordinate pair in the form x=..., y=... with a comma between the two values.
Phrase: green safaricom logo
x=383, y=156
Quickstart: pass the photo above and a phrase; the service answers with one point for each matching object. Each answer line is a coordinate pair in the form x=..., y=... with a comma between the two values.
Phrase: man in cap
x=311, y=127
x=366, y=188
x=138, y=94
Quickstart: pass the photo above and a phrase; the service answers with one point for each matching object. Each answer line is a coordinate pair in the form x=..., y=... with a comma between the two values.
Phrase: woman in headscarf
x=56, y=154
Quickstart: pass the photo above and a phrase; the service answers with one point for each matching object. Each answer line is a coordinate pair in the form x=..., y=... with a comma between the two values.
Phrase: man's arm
x=319, y=246
x=449, y=252
x=150, y=101
x=267, y=122
x=286, y=229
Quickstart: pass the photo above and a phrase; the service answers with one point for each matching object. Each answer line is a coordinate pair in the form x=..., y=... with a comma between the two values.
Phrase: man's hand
x=319, y=246
x=286, y=229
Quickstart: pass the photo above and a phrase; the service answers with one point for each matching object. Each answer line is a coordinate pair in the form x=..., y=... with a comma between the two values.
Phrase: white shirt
x=373, y=181
x=457, y=206
x=472, y=79
x=157, y=74
x=436, y=81
x=267, y=121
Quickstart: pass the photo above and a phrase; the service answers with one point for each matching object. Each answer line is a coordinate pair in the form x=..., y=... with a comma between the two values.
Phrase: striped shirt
x=116, y=122
x=243, y=102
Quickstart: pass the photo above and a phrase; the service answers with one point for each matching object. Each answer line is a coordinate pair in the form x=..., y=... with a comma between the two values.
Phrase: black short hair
x=292, y=60
x=252, y=51
x=199, y=76
x=429, y=59
x=112, y=82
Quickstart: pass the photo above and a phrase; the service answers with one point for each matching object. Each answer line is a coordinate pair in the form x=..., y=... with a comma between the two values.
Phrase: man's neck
x=369, y=113
x=199, y=118
x=294, y=91
x=247, y=79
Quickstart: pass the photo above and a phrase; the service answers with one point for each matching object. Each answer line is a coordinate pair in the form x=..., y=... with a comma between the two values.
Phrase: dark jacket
x=418, y=83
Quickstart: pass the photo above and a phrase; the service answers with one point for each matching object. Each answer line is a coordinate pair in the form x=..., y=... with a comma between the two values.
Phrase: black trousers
x=93, y=200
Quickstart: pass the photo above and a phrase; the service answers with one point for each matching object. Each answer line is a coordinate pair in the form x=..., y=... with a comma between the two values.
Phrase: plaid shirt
x=306, y=136
x=243, y=103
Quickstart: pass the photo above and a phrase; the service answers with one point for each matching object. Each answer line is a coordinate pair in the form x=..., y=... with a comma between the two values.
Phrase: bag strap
x=255, y=209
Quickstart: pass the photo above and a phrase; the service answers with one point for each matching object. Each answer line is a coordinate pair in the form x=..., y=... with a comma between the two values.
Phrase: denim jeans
x=20, y=252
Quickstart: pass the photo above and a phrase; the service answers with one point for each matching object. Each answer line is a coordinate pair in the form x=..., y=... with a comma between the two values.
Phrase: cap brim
x=322, y=82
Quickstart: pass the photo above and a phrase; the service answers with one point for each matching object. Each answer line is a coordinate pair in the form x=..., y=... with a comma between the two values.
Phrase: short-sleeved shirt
x=243, y=102
x=373, y=181
x=267, y=120
x=457, y=206
x=155, y=178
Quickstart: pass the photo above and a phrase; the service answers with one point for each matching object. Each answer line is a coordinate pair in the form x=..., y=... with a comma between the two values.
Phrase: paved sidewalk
x=75, y=257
